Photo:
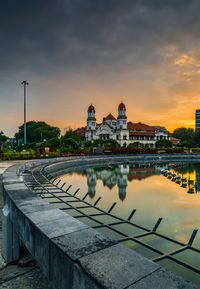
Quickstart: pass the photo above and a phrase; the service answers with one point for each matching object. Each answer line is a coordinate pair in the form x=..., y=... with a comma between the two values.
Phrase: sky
x=145, y=53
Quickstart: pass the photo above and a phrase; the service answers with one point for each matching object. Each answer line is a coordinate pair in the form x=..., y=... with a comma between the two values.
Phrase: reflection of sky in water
x=153, y=195
x=146, y=190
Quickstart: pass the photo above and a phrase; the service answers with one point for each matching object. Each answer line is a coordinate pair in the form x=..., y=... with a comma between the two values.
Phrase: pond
x=154, y=195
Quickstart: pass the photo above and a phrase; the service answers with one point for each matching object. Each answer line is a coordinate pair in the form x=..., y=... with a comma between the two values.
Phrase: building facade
x=197, y=119
x=120, y=130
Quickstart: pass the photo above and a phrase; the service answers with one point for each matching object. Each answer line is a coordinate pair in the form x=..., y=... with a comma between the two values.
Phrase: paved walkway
x=24, y=274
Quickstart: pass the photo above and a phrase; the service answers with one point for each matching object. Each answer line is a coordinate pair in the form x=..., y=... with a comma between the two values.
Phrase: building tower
x=91, y=123
x=122, y=118
x=122, y=129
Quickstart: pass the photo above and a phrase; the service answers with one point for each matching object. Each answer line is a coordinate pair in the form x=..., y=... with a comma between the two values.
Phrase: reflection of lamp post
x=25, y=83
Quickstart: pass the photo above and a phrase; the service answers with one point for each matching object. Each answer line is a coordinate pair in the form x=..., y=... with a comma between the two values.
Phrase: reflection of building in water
x=123, y=169
x=108, y=177
x=91, y=182
x=122, y=184
x=122, y=174
x=119, y=175
x=198, y=181
x=140, y=173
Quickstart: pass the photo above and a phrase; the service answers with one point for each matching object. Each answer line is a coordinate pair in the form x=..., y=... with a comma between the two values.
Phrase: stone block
x=61, y=226
x=117, y=267
x=46, y=215
x=19, y=194
x=82, y=243
x=31, y=205
x=163, y=279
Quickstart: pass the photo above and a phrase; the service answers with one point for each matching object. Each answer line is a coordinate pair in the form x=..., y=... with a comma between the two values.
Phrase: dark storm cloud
x=41, y=35
x=144, y=51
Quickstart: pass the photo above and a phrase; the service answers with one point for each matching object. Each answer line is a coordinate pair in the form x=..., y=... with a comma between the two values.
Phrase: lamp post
x=24, y=83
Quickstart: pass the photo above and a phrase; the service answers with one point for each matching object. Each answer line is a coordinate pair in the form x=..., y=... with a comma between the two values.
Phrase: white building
x=120, y=130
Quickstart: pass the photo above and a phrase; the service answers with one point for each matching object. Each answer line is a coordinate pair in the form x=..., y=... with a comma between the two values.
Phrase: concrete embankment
x=24, y=274
x=71, y=254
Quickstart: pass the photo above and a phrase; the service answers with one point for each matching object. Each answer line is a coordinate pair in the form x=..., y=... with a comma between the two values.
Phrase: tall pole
x=24, y=83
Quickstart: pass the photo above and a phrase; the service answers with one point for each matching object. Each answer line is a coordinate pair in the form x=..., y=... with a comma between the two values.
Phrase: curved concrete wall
x=71, y=254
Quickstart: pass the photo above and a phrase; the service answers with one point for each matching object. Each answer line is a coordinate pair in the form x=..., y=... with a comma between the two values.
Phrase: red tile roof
x=174, y=138
x=110, y=117
x=121, y=105
x=81, y=130
x=111, y=186
x=140, y=127
x=91, y=108
x=142, y=133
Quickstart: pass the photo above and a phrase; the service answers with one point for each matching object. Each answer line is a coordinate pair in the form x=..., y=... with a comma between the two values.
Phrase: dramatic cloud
x=144, y=52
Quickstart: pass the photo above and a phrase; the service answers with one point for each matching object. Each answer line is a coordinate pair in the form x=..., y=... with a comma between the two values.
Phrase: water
x=153, y=195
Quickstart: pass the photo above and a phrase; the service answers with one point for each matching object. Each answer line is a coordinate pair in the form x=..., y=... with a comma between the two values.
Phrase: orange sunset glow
x=144, y=53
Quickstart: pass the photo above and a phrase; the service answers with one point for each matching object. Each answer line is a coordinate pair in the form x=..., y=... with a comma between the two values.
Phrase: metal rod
x=113, y=205
x=58, y=183
x=131, y=215
x=63, y=185
x=157, y=224
x=85, y=196
x=68, y=188
x=97, y=201
x=76, y=191
x=192, y=237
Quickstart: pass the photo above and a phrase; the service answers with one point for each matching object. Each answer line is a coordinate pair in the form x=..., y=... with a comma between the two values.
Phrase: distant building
x=197, y=119
x=175, y=141
x=120, y=129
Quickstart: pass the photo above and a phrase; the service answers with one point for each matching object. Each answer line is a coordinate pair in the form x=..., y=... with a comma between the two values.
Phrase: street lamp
x=24, y=83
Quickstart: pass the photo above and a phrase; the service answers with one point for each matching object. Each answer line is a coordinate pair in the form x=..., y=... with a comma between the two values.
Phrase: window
x=124, y=137
x=124, y=121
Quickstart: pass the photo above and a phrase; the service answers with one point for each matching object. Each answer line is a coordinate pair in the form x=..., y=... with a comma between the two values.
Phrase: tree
x=71, y=143
x=55, y=142
x=197, y=138
x=111, y=143
x=163, y=143
x=183, y=133
x=3, y=138
x=72, y=134
x=186, y=135
x=136, y=144
x=37, y=131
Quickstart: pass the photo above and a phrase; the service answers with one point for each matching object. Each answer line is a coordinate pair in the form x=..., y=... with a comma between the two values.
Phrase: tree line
x=39, y=132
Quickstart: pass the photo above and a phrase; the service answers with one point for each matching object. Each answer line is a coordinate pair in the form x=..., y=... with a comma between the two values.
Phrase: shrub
x=174, y=150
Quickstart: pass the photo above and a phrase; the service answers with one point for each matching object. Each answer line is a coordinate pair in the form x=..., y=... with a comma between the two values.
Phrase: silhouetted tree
x=37, y=131
x=3, y=138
